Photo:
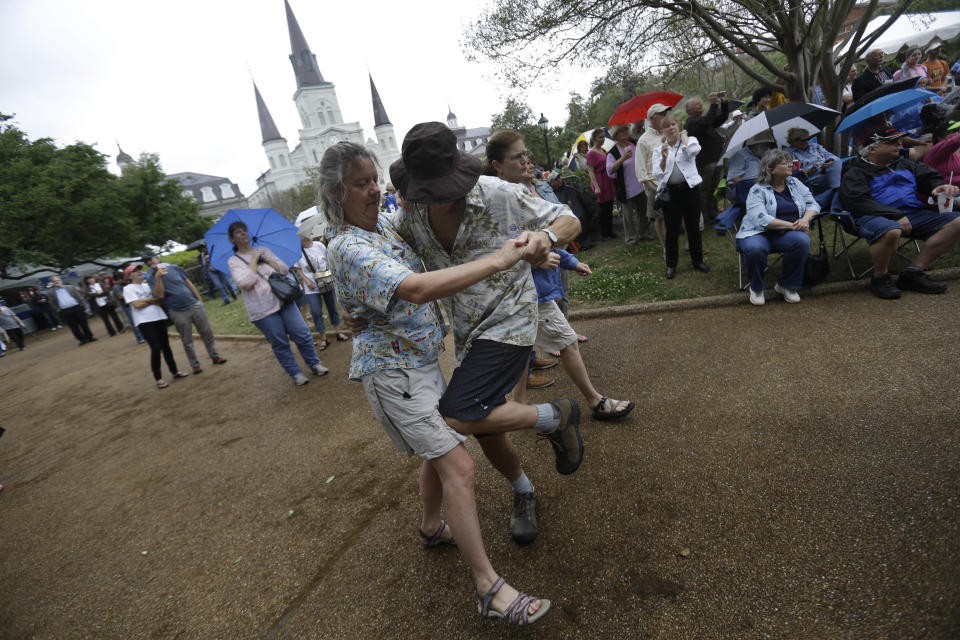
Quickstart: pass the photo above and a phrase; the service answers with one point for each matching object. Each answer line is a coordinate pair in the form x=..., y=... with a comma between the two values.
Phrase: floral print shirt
x=502, y=308
x=368, y=267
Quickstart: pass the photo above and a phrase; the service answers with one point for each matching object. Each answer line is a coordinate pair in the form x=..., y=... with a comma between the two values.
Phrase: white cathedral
x=321, y=122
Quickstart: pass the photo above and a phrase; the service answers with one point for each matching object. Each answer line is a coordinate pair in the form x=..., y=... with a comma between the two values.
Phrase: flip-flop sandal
x=435, y=540
x=517, y=611
x=162, y=384
x=581, y=338
x=606, y=409
x=323, y=344
x=342, y=337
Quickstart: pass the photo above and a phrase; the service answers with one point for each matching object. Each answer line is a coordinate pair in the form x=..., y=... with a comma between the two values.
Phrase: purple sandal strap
x=436, y=536
x=517, y=611
x=487, y=598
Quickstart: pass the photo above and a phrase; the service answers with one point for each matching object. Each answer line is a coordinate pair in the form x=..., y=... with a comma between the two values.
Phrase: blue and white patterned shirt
x=368, y=268
x=503, y=307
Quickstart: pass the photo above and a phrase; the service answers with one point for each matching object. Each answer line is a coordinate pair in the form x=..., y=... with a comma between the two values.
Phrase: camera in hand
x=260, y=260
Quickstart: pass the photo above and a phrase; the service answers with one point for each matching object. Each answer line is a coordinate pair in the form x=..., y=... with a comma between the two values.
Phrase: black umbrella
x=196, y=244
x=879, y=92
x=804, y=115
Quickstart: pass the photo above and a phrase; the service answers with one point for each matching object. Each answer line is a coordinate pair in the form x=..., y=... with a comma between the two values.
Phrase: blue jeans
x=223, y=283
x=279, y=328
x=795, y=247
x=316, y=309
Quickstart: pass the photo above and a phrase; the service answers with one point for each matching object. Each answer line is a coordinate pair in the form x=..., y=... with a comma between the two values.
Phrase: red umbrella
x=635, y=108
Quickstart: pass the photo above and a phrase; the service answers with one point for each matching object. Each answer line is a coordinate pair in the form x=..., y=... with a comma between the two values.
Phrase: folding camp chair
x=844, y=223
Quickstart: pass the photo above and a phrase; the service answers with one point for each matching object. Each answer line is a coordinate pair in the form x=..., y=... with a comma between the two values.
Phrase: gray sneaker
x=300, y=379
x=319, y=370
x=523, y=522
x=566, y=441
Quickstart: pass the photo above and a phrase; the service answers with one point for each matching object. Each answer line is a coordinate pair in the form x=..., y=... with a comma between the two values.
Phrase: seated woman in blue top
x=779, y=211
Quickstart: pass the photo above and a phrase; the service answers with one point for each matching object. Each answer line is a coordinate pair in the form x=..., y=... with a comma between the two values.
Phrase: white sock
x=522, y=484
x=548, y=418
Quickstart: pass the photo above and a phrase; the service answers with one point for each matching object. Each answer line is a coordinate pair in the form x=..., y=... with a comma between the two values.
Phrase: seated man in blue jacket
x=880, y=189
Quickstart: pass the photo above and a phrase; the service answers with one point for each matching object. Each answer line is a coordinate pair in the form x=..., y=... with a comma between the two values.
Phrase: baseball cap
x=553, y=175
x=884, y=134
x=656, y=108
x=131, y=268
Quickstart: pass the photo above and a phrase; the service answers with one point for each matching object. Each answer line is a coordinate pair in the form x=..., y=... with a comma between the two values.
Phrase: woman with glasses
x=819, y=168
x=780, y=209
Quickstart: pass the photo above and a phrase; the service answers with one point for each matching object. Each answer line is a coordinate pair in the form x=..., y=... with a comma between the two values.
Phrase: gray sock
x=522, y=484
x=548, y=418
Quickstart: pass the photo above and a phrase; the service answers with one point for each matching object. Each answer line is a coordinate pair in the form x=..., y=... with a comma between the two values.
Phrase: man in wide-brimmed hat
x=454, y=215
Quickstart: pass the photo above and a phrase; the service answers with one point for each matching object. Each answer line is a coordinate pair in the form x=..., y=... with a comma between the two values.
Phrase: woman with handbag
x=318, y=288
x=254, y=270
x=779, y=211
x=678, y=193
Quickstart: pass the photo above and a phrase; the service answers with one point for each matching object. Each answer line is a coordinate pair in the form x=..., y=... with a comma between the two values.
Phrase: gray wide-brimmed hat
x=431, y=168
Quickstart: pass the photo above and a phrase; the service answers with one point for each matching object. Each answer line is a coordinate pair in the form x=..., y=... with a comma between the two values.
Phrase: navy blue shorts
x=924, y=223
x=484, y=378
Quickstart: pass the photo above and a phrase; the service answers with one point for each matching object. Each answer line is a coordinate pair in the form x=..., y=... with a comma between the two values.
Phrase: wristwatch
x=552, y=236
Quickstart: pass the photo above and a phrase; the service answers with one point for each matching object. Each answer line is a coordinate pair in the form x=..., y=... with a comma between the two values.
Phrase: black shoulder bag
x=284, y=288
x=817, y=267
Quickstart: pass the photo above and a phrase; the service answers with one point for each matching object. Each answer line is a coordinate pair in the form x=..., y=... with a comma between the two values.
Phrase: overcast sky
x=175, y=77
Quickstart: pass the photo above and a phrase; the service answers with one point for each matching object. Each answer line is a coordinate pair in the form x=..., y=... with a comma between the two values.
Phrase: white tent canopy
x=915, y=29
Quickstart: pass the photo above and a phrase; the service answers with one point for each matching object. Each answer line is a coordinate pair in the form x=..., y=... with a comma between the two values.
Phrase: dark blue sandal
x=517, y=612
x=435, y=540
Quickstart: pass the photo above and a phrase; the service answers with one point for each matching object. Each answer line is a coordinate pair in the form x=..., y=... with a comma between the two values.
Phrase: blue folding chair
x=845, y=223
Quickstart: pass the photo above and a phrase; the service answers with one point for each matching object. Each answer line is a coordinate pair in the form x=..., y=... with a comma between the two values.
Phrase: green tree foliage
x=679, y=35
x=60, y=207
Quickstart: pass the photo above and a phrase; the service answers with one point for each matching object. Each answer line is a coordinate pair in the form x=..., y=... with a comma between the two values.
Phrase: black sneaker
x=883, y=287
x=917, y=280
x=523, y=522
x=566, y=441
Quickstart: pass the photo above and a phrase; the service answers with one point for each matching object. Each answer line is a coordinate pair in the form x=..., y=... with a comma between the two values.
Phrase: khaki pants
x=184, y=321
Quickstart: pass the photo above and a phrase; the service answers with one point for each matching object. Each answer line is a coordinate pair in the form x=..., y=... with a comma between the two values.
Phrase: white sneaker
x=757, y=298
x=319, y=370
x=300, y=379
x=790, y=295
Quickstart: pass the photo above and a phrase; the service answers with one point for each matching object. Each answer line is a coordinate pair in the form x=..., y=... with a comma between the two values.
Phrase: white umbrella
x=914, y=29
x=803, y=115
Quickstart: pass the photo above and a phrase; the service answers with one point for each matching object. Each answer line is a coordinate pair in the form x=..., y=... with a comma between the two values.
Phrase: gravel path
x=790, y=472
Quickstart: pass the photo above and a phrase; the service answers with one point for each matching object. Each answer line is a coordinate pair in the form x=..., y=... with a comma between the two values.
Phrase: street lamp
x=542, y=123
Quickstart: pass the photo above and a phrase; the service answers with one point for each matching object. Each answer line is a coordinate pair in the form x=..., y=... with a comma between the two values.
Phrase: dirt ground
x=790, y=472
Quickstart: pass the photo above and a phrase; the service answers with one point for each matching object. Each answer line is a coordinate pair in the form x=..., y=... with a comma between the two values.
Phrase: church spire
x=379, y=113
x=303, y=61
x=267, y=126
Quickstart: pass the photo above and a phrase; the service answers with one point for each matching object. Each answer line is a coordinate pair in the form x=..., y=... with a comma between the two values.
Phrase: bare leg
x=572, y=363
x=935, y=245
x=883, y=249
x=452, y=473
x=520, y=391
x=502, y=455
x=511, y=416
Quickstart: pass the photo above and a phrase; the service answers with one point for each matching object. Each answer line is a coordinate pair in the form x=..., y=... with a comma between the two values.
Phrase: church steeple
x=267, y=126
x=379, y=113
x=304, y=62
x=124, y=159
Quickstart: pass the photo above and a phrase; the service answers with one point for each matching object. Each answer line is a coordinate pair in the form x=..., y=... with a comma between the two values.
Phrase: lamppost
x=542, y=123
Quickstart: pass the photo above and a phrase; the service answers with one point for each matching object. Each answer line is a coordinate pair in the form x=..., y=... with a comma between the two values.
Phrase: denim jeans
x=224, y=284
x=795, y=247
x=279, y=328
x=329, y=299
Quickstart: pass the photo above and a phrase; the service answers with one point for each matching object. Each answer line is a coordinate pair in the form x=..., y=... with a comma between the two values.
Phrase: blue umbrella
x=893, y=102
x=266, y=227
